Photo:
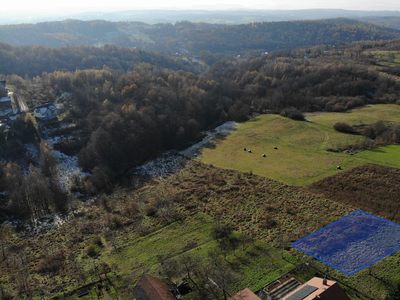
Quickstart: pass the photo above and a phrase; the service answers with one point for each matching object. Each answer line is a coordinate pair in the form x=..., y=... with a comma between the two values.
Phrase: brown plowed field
x=372, y=188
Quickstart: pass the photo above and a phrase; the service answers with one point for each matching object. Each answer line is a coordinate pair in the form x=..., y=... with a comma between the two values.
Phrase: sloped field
x=372, y=188
x=301, y=155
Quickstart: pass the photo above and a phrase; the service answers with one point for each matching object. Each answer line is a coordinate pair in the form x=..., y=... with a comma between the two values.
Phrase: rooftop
x=5, y=99
x=318, y=288
x=152, y=288
x=246, y=294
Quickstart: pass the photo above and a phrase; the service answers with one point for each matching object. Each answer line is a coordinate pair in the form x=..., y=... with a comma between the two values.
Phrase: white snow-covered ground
x=224, y=129
x=173, y=161
x=40, y=225
x=166, y=163
x=67, y=166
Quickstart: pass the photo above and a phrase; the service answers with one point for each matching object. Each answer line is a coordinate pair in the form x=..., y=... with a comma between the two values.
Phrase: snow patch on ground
x=165, y=164
x=67, y=168
x=222, y=130
x=173, y=161
x=39, y=225
x=33, y=152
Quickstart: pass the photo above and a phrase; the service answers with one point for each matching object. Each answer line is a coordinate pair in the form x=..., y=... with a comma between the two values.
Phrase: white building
x=45, y=112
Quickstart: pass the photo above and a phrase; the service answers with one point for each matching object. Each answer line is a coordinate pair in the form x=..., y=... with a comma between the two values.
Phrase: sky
x=15, y=7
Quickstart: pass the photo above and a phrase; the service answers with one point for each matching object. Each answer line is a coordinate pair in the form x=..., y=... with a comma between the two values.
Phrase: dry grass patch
x=372, y=188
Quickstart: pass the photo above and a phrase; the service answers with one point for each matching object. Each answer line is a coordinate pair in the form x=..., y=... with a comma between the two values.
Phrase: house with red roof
x=246, y=294
x=152, y=288
x=318, y=289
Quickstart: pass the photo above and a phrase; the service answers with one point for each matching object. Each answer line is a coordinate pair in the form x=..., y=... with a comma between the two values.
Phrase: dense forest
x=183, y=37
x=33, y=60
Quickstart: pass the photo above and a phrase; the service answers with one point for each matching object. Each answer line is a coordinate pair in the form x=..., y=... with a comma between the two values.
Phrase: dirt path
x=326, y=139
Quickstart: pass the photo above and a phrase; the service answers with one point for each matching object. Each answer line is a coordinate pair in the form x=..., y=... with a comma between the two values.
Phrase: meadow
x=296, y=152
x=386, y=57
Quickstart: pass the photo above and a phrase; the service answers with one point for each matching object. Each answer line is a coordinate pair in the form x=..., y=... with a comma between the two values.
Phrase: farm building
x=45, y=112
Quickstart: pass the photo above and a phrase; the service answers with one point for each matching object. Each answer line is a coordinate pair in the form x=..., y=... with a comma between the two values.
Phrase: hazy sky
x=75, y=6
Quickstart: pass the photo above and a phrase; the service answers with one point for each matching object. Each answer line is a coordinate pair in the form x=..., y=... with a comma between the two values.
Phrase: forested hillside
x=124, y=118
x=195, y=37
x=387, y=21
x=33, y=60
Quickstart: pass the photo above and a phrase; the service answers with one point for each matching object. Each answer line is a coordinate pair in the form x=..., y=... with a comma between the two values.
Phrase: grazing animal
x=244, y=149
x=264, y=155
x=339, y=167
x=275, y=147
x=250, y=151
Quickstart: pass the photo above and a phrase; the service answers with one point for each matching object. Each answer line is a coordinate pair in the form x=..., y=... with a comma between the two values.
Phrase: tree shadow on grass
x=379, y=150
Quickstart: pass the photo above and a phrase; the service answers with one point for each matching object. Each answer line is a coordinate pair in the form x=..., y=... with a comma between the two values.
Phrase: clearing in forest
x=296, y=152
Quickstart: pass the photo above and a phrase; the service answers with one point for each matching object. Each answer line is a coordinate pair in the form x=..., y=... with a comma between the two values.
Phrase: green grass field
x=145, y=254
x=301, y=157
x=386, y=57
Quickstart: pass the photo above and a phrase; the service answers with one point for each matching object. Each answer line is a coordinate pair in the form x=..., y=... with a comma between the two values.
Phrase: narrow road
x=19, y=102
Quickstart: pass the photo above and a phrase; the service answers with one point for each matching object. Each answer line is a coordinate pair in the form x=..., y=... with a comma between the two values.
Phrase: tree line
x=195, y=37
x=34, y=60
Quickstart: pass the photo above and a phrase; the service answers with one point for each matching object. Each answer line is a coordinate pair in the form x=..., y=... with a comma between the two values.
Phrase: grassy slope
x=301, y=157
x=204, y=195
x=383, y=56
x=274, y=212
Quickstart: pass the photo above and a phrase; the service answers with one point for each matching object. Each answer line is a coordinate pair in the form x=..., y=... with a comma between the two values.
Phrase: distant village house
x=6, y=108
x=45, y=112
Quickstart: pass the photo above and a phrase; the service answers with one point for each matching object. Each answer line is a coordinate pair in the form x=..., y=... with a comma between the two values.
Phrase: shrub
x=344, y=127
x=293, y=113
x=220, y=231
x=92, y=251
x=97, y=241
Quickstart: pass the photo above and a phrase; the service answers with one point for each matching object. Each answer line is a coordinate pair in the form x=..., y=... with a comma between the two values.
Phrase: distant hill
x=186, y=37
x=391, y=21
x=214, y=15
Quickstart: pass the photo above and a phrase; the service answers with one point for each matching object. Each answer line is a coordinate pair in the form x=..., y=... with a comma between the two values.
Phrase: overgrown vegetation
x=116, y=236
x=371, y=188
x=377, y=135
